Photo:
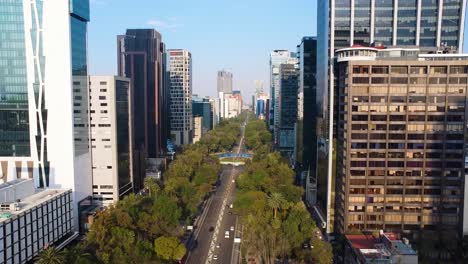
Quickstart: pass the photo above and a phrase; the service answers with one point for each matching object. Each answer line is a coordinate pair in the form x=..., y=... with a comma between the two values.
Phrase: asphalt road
x=216, y=219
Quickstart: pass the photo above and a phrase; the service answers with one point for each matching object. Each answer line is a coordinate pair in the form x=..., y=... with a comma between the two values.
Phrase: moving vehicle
x=232, y=228
x=226, y=234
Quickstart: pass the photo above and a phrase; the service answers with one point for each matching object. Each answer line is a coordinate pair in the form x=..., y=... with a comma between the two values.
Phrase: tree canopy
x=275, y=220
x=148, y=228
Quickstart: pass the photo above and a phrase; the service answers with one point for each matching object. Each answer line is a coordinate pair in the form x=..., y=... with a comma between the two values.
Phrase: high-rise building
x=232, y=104
x=44, y=125
x=197, y=128
x=425, y=23
x=277, y=57
x=306, y=140
x=430, y=25
x=214, y=102
x=224, y=82
x=400, y=140
x=111, y=138
x=181, y=96
x=287, y=105
x=202, y=107
x=141, y=57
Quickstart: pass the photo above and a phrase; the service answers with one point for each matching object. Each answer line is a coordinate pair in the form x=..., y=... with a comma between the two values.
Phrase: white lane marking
x=221, y=215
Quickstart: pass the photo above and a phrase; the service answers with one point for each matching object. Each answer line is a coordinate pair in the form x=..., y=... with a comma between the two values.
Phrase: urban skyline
x=237, y=41
x=356, y=151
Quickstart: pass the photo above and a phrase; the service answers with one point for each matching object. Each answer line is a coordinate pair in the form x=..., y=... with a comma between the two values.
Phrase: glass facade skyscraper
x=287, y=105
x=277, y=57
x=14, y=113
x=425, y=23
x=306, y=140
x=44, y=124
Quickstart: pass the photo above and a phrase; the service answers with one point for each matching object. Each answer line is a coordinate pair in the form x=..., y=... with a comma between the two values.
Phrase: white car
x=215, y=257
x=218, y=245
x=226, y=234
x=232, y=228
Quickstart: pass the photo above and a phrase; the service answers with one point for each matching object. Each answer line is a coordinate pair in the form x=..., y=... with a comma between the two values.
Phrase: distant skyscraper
x=224, y=81
x=181, y=96
x=202, y=107
x=427, y=24
x=258, y=86
x=287, y=105
x=44, y=124
x=214, y=102
x=277, y=58
x=111, y=138
x=141, y=57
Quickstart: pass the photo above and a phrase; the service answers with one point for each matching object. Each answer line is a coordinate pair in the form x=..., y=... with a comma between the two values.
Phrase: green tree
x=78, y=255
x=321, y=251
x=51, y=255
x=275, y=201
x=169, y=248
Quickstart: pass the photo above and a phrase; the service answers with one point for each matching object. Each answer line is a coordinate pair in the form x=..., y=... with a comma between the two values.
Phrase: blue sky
x=236, y=35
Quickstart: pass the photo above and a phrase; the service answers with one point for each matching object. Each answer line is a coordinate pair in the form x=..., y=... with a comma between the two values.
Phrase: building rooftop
x=361, y=241
x=384, y=247
x=20, y=195
x=358, y=52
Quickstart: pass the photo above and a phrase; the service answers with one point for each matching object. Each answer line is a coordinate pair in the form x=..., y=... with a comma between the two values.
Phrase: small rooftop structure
x=358, y=52
x=386, y=249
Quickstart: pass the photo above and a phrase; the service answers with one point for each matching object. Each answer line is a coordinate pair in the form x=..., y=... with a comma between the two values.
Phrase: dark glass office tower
x=287, y=105
x=306, y=141
x=141, y=58
x=202, y=107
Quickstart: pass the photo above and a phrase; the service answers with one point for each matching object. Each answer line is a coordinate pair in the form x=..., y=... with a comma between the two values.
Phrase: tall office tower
x=141, y=58
x=400, y=140
x=277, y=57
x=214, y=102
x=287, y=104
x=306, y=140
x=202, y=107
x=426, y=24
x=224, y=82
x=111, y=138
x=43, y=88
x=181, y=96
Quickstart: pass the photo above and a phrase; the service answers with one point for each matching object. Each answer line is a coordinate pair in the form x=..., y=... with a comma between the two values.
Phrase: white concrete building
x=45, y=131
x=197, y=128
x=214, y=102
x=111, y=138
x=31, y=219
x=181, y=96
